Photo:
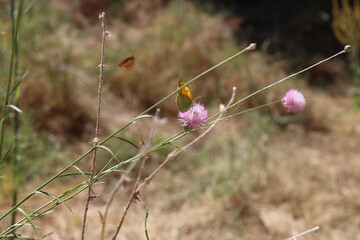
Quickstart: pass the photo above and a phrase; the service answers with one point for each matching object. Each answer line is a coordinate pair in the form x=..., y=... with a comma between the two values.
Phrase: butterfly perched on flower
x=184, y=99
x=127, y=63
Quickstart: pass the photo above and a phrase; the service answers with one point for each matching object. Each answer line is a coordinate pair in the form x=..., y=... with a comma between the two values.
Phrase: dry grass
x=310, y=179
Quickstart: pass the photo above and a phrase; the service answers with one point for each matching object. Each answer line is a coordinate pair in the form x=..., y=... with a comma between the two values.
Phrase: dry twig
x=303, y=233
x=96, y=138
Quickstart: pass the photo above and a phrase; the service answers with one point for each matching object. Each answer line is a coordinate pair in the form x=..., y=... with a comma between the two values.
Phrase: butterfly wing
x=184, y=99
x=128, y=63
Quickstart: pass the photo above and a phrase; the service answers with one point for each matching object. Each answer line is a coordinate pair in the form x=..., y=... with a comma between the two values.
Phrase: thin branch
x=303, y=233
x=134, y=196
x=96, y=138
x=110, y=199
x=346, y=49
x=156, y=123
x=146, y=217
x=251, y=47
x=290, y=76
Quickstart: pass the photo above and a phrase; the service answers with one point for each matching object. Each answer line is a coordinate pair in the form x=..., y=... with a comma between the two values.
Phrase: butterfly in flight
x=127, y=63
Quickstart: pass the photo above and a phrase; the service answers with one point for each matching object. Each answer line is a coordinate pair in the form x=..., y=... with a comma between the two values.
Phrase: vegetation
x=345, y=25
x=265, y=174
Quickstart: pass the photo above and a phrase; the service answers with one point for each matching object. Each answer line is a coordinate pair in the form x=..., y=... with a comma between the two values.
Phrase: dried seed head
x=101, y=15
x=347, y=48
x=222, y=108
x=252, y=46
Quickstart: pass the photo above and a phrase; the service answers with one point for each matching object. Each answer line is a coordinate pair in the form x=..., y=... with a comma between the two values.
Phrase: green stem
x=282, y=80
x=159, y=145
x=103, y=174
x=11, y=68
x=246, y=111
x=286, y=78
x=146, y=217
x=61, y=172
x=37, y=212
x=174, y=92
x=16, y=114
x=46, y=183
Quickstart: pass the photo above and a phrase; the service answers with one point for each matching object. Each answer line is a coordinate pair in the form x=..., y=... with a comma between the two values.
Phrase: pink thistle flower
x=294, y=101
x=195, y=117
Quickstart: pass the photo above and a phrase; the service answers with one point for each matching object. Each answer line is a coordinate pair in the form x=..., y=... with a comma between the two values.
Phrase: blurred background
x=263, y=175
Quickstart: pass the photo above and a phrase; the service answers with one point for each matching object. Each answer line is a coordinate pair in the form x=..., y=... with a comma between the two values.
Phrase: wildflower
x=195, y=117
x=294, y=101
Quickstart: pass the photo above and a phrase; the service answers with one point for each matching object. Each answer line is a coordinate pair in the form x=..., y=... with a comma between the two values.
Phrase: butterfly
x=184, y=100
x=127, y=63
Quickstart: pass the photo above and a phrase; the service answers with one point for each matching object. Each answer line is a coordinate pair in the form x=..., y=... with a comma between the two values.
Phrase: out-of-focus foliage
x=346, y=25
x=346, y=22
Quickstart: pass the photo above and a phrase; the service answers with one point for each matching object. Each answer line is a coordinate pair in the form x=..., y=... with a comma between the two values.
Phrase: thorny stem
x=171, y=156
x=96, y=138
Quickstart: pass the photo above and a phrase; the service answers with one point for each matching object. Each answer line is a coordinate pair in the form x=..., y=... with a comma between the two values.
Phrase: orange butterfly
x=128, y=63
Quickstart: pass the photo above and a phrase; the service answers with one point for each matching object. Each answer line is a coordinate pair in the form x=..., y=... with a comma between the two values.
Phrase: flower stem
x=286, y=78
x=282, y=80
x=247, y=110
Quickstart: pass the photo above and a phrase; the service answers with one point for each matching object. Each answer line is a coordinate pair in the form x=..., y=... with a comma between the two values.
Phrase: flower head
x=294, y=101
x=195, y=117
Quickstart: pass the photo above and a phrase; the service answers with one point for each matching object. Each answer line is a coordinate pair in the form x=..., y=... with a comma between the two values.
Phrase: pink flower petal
x=195, y=117
x=294, y=101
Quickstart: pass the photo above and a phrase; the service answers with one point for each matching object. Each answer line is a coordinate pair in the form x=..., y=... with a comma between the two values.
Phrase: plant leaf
x=30, y=221
x=7, y=152
x=72, y=174
x=107, y=149
x=125, y=140
x=86, y=179
x=15, y=108
x=55, y=197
